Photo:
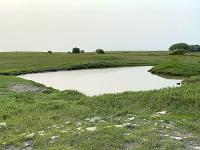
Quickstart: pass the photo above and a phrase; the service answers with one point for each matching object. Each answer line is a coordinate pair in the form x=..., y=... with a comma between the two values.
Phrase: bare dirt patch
x=21, y=88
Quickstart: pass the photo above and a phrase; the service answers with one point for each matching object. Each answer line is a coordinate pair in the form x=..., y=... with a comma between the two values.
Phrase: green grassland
x=52, y=120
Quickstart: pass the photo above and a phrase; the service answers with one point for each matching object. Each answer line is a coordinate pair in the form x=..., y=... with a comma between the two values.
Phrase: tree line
x=77, y=50
x=182, y=48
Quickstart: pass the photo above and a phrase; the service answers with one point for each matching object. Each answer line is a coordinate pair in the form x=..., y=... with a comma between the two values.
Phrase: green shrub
x=76, y=50
x=180, y=46
x=100, y=51
x=49, y=52
x=178, y=52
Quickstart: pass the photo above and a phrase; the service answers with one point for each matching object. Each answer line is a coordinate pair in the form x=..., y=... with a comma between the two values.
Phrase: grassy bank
x=50, y=119
x=20, y=63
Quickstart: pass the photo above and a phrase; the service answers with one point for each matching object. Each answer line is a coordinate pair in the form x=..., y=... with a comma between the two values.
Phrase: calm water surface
x=100, y=81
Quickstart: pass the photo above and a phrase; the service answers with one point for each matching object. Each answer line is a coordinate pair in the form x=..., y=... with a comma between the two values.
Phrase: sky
x=60, y=25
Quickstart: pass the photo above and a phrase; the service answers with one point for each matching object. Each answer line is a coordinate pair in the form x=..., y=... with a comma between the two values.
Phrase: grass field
x=19, y=63
x=164, y=119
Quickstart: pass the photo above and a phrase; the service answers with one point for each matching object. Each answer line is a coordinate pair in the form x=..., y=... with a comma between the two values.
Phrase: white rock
x=31, y=135
x=197, y=147
x=132, y=118
x=79, y=124
x=176, y=138
x=68, y=122
x=94, y=119
x=79, y=128
x=161, y=113
x=166, y=135
x=41, y=132
x=126, y=125
x=55, y=137
x=101, y=121
x=4, y=125
x=54, y=126
x=91, y=129
x=119, y=126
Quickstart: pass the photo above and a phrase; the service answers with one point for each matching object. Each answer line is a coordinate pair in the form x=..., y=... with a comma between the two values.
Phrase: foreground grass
x=64, y=114
x=60, y=120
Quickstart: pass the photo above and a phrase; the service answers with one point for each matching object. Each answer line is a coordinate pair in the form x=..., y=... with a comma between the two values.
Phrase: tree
x=76, y=50
x=82, y=51
x=195, y=48
x=100, y=51
x=49, y=52
x=180, y=46
x=178, y=52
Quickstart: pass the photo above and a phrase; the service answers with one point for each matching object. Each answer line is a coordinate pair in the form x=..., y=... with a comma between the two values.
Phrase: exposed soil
x=21, y=88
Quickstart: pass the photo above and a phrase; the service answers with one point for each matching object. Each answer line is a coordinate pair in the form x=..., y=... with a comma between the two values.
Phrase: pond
x=101, y=81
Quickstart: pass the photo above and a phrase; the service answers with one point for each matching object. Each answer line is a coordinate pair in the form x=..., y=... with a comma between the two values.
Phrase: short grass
x=125, y=121
x=20, y=63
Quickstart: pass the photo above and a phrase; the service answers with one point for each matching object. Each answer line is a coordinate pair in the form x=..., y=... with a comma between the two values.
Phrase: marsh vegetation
x=50, y=119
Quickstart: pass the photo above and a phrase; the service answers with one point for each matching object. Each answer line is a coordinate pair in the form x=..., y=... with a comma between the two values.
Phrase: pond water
x=101, y=81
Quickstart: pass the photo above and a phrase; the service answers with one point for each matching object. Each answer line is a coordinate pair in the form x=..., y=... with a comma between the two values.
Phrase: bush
x=178, y=52
x=100, y=51
x=82, y=51
x=76, y=50
x=49, y=52
x=180, y=46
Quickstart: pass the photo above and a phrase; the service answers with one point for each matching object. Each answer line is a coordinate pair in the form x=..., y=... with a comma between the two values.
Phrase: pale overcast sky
x=59, y=25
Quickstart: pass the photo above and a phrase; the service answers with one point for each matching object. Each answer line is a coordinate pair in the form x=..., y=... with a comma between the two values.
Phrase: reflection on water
x=100, y=81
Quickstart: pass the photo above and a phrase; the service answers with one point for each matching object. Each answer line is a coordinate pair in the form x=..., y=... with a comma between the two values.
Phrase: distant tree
x=178, y=52
x=100, y=51
x=68, y=52
x=76, y=50
x=49, y=52
x=82, y=51
x=195, y=48
x=180, y=46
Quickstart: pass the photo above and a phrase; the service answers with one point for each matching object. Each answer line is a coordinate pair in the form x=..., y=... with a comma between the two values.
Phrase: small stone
x=68, y=122
x=94, y=119
x=101, y=121
x=80, y=129
x=176, y=138
x=55, y=137
x=158, y=114
x=119, y=126
x=28, y=143
x=79, y=124
x=126, y=125
x=155, y=123
x=166, y=135
x=54, y=126
x=132, y=118
x=91, y=129
x=41, y=133
x=161, y=113
x=197, y=147
x=31, y=135
x=3, y=125
x=87, y=119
